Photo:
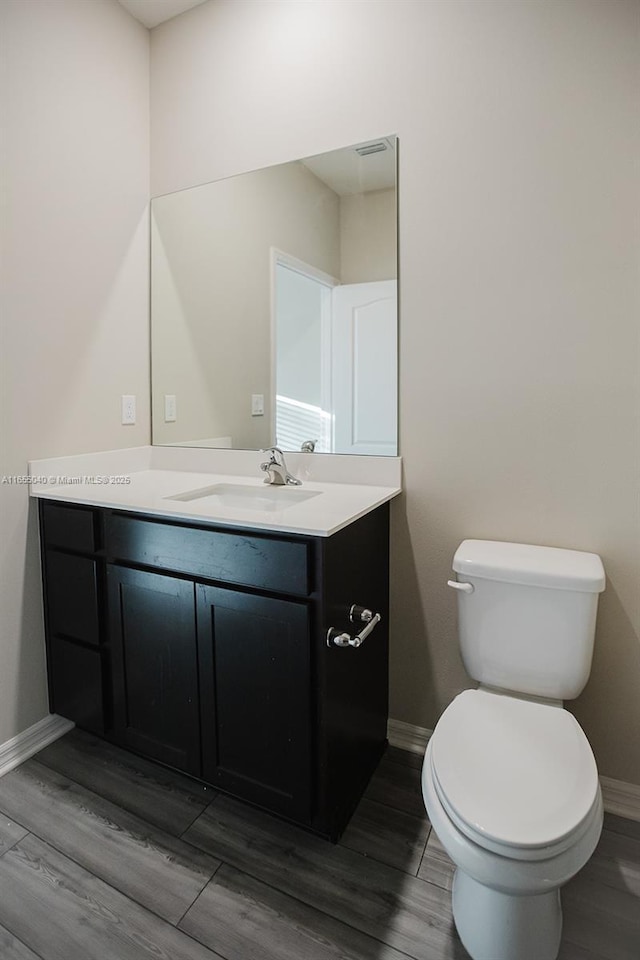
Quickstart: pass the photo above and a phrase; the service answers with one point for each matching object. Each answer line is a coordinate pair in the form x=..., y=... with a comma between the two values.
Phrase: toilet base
x=498, y=926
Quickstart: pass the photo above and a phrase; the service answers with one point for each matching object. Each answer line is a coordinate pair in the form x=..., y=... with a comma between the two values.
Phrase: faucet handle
x=274, y=454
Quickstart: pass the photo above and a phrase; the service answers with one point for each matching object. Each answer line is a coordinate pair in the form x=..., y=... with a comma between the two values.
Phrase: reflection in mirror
x=274, y=307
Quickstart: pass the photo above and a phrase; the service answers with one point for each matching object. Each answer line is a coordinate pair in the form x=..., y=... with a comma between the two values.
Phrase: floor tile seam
x=2, y=919
x=214, y=856
x=336, y=846
x=196, y=846
x=206, y=804
x=131, y=813
x=422, y=817
x=12, y=845
x=433, y=883
x=370, y=856
x=424, y=850
x=402, y=763
x=391, y=806
x=402, y=751
x=199, y=894
x=14, y=819
x=339, y=845
x=613, y=831
x=574, y=892
x=285, y=892
x=222, y=861
x=128, y=897
x=618, y=887
x=385, y=760
x=205, y=808
x=20, y=940
x=214, y=953
x=385, y=863
x=631, y=845
x=310, y=906
x=107, y=883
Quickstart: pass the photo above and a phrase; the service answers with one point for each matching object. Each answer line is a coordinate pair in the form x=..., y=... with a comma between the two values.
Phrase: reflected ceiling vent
x=359, y=168
x=376, y=146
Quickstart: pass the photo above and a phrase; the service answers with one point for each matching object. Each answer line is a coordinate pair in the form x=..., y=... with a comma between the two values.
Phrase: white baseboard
x=619, y=797
x=15, y=751
x=406, y=736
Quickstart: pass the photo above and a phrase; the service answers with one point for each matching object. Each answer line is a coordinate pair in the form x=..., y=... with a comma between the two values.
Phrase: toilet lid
x=517, y=772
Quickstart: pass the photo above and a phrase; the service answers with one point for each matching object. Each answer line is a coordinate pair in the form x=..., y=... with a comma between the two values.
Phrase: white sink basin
x=263, y=497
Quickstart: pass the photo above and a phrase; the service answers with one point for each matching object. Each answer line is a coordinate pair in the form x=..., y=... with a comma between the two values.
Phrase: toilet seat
x=517, y=777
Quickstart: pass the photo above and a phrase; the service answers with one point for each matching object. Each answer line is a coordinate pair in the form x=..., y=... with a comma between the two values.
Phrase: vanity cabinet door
x=255, y=698
x=155, y=670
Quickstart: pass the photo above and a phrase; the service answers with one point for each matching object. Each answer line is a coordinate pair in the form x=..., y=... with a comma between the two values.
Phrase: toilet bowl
x=509, y=779
x=517, y=813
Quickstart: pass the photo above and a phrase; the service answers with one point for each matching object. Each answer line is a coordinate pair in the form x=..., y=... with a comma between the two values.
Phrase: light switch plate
x=170, y=408
x=257, y=404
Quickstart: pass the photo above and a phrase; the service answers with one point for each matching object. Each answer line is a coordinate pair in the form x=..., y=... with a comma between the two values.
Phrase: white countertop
x=96, y=481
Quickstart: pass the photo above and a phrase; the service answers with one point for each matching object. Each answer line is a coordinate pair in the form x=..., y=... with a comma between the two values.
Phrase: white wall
x=519, y=299
x=74, y=333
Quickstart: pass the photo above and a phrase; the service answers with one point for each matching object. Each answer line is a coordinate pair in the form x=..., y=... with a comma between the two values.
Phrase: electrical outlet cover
x=128, y=409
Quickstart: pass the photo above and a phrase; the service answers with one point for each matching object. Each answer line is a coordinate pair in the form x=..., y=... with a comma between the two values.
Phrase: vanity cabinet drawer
x=71, y=528
x=248, y=560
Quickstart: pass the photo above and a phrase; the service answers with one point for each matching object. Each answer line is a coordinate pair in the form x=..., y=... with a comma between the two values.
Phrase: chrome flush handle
x=464, y=587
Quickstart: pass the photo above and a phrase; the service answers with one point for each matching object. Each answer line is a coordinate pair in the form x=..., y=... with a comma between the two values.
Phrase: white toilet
x=509, y=779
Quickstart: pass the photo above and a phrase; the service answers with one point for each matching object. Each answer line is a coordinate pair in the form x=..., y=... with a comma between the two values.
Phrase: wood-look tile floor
x=104, y=856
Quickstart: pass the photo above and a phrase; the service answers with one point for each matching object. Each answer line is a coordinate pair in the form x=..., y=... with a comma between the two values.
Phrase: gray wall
x=73, y=323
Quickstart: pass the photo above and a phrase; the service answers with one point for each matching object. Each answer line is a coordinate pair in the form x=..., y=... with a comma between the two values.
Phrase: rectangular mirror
x=274, y=307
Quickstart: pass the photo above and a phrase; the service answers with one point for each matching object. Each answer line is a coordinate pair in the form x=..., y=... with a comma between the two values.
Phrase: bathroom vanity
x=234, y=630
x=222, y=649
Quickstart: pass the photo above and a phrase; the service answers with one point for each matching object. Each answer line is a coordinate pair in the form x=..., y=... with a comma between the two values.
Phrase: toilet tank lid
x=530, y=565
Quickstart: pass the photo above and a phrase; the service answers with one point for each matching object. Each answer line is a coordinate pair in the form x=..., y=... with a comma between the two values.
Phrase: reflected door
x=364, y=368
x=303, y=323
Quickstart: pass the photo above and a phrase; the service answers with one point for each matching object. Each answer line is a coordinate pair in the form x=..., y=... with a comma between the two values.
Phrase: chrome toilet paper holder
x=357, y=614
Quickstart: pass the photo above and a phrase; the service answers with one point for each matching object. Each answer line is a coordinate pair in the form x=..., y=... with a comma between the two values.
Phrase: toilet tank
x=527, y=617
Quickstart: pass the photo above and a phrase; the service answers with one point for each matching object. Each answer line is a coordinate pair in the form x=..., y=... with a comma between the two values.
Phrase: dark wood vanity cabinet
x=205, y=648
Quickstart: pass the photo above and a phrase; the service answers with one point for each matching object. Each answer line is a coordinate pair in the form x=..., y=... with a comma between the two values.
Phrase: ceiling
x=153, y=12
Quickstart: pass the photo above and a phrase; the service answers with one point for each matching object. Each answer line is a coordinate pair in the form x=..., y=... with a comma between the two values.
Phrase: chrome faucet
x=276, y=469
